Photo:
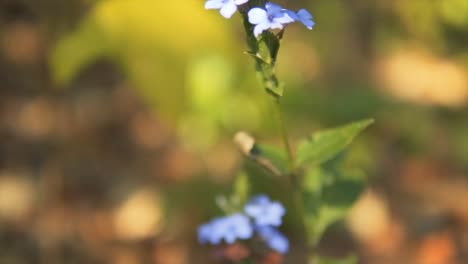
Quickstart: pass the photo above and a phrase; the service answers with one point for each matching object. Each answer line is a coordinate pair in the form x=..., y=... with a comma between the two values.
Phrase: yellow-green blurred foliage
x=176, y=53
x=427, y=18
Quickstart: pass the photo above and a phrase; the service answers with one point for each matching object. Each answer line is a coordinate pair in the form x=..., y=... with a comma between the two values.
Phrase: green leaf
x=327, y=196
x=323, y=260
x=241, y=190
x=274, y=155
x=129, y=36
x=268, y=47
x=265, y=51
x=266, y=74
x=325, y=145
x=269, y=157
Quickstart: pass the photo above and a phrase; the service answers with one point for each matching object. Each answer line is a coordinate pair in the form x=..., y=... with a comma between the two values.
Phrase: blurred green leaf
x=454, y=12
x=323, y=260
x=274, y=155
x=208, y=91
x=325, y=145
x=77, y=50
x=241, y=189
x=146, y=47
x=328, y=195
x=268, y=157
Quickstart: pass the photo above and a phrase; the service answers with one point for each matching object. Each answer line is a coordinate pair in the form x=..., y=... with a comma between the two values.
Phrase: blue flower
x=261, y=217
x=227, y=8
x=274, y=239
x=305, y=18
x=205, y=234
x=302, y=16
x=272, y=17
x=264, y=212
x=228, y=228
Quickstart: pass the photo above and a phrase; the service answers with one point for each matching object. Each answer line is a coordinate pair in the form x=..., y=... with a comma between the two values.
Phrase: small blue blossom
x=302, y=16
x=260, y=217
x=264, y=212
x=205, y=234
x=276, y=17
x=272, y=17
x=274, y=239
x=227, y=8
x=228, y=228
x=305, y=18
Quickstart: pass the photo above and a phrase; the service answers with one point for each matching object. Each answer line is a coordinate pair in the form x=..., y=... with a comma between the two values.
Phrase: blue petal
x=308, y=23
x=304, y=14
x=306, y=18
x=273, y=9
x=230, y=237
x=214, y=4
x=284, y=19
x=279, y=243
x=291, y=14
x=260, y=208
x=257, y=16
x=204, y=232
x=260, y=28
x=228, y=9
x=240, y=2
x=260, y=199
x=274, y=239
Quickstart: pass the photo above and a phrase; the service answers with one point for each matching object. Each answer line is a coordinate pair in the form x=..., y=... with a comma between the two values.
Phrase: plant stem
x=264, y=50
x=293, y=174
x=285, y=138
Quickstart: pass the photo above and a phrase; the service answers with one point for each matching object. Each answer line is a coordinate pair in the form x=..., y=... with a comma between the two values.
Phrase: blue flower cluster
x=261, y=216
x=271, y=16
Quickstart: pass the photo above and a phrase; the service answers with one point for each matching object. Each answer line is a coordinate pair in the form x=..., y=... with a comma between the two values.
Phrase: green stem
x=285, y=138
x=293, y=174
x=264, y=50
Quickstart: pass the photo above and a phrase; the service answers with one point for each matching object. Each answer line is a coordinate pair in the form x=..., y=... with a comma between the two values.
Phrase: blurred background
x=116, y=120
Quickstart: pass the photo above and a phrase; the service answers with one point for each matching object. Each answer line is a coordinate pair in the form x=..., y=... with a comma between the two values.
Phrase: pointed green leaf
x=327, y=144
